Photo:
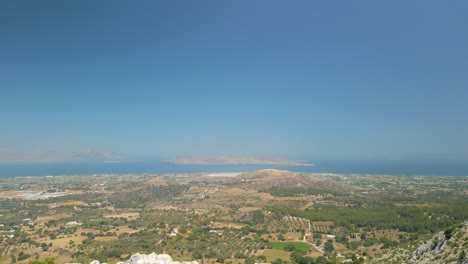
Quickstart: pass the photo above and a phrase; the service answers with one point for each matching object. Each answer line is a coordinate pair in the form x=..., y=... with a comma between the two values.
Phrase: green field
x=299, y=245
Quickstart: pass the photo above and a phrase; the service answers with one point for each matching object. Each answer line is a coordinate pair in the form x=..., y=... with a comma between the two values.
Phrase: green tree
x=296, y=256
x=277, y=261
x=289, y=247
x=250, y=260
x=220, y=258
x=448, y=233
x=329, y=246
x=307, y=260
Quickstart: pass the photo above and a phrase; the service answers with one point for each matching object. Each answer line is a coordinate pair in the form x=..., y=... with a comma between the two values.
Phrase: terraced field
x=321, y=227
x=289, y=224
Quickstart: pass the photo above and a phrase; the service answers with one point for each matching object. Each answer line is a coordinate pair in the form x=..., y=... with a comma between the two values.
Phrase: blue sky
x=166, y=79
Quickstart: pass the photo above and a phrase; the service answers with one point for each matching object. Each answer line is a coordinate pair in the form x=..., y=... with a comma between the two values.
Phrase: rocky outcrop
x=430, y=247
x=154, y=258
x=450, y=246
x=445, y=247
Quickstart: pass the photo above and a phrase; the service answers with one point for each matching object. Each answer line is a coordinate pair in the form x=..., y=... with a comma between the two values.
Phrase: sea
x=378, y=167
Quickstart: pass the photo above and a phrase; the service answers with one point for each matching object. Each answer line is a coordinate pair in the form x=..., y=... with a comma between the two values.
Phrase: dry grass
x=45, y=219
x=273, y=254
x=106, y=238
x=75, y=191
x=127, y=215
x=69, y=203
x=307, y=205
x=14, y=194
x=161, y=206
x=293, y=235
x=249, y=209
x=227, y=224
x=391, y=234
x=126, y=229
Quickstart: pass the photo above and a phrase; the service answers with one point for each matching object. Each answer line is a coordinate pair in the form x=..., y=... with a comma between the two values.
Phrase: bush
x=250, y=260
x=448, y=233
x=277, y=261
x=329, y=246
x=290, y=247
x=45, y=261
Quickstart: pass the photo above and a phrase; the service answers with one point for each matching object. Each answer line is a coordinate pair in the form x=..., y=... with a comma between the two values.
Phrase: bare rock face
x=153, y=258
x=431, y=247
x=448, y=247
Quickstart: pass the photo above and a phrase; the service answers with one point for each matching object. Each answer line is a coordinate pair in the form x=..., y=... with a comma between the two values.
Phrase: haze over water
x=398, y=167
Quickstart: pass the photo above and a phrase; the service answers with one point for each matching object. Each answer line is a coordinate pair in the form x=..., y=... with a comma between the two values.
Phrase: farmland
x=263, y=216
x=295, y=245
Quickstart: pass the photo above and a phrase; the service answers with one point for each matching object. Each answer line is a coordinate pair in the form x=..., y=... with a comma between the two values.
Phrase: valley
x=266, y=216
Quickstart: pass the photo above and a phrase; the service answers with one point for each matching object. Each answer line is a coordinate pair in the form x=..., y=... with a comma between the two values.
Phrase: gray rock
x=153, y=258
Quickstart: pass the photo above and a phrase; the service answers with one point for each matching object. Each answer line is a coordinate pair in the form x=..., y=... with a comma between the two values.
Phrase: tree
x=240, y=255
x=307, y=260
x=250, y=260
x=289, y=247
x=23, y=256
x=277, y=261
x=448, y=233
x=329, y=246
x=258, y=217
x=341, y=239
x=297, y=256
x=220, y=258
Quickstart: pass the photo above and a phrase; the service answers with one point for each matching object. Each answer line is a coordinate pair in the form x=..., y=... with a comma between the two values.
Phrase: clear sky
x=293, y=79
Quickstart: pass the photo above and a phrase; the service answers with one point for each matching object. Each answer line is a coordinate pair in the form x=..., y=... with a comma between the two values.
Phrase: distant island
x=239, y=161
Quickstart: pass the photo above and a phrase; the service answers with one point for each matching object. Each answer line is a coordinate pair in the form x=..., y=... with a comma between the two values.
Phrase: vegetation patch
x=290, y=246
x=272, y=254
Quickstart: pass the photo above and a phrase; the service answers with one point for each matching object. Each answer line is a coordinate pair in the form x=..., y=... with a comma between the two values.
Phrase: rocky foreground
x=446, y=247
x=152, y=258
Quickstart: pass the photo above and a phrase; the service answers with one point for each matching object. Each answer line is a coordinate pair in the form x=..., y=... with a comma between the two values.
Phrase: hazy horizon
x=375, y=167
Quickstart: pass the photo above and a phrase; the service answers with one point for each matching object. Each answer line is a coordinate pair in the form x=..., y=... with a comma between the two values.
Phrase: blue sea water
x=387, y=167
